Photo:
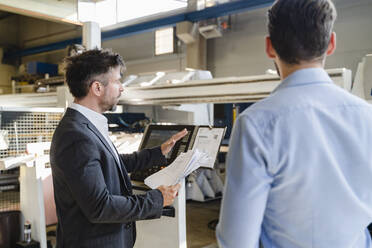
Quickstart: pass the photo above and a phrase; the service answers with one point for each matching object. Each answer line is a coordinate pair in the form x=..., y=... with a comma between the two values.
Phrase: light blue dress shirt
x=299, y=169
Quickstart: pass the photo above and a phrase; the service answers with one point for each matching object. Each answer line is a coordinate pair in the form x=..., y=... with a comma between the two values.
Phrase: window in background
x=164, y=41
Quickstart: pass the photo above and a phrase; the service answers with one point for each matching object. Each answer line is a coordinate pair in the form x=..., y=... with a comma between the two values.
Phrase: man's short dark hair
x=83, y=69
x=300, y=30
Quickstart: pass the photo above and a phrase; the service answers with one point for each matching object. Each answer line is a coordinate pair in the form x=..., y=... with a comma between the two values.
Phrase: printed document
x=208, y=140
x=181, y=167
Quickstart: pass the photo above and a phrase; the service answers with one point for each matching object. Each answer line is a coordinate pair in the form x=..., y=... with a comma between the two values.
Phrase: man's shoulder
x=71, y=127
x=283, y=103
x=262, y=111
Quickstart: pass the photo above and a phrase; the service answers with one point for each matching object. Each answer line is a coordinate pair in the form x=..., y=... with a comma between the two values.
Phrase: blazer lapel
x=103, y=140
x=77, y=116
x=127, y=179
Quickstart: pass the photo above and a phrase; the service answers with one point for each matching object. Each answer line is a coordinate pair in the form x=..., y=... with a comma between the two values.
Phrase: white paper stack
x=181, y=167
x=13, y=162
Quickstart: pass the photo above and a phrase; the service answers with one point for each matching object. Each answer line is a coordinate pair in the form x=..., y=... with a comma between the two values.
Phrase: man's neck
x=88, y=104
x=287, y=69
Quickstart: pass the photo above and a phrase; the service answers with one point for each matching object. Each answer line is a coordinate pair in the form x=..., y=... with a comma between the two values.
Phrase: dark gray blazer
x=93, y=193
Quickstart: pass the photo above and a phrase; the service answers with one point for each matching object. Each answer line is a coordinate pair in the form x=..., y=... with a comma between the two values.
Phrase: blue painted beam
x=43, y=48
x=227, y=9
x=194, y=16
x=142, y=27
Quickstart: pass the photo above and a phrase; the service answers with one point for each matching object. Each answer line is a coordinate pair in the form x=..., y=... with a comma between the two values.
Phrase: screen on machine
x=158, y=137
x=155, y=135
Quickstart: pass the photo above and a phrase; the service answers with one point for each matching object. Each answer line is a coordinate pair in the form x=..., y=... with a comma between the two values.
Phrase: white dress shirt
x=99, y=121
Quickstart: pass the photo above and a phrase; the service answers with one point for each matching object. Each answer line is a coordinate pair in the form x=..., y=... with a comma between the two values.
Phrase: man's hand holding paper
x=203, y=154
x=169, y=191
x=181, y=167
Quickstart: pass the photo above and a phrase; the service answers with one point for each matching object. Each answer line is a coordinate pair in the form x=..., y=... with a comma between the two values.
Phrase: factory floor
x=198, y=216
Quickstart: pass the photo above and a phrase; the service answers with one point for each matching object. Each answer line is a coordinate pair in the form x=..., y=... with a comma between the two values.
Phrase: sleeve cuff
x=159, y=155
x=158, y=203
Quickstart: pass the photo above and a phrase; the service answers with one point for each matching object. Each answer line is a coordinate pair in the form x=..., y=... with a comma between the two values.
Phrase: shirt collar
x=303, y=77
x=98, y=120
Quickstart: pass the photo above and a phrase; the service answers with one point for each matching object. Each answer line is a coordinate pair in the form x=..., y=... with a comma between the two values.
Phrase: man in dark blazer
x=93, y=193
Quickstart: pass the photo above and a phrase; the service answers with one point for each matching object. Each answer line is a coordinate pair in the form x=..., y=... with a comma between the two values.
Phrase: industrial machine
x=172, y=89
x=21, y=186
x=155, y=135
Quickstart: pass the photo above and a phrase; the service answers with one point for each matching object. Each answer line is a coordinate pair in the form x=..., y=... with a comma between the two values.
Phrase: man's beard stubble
x=113, y=107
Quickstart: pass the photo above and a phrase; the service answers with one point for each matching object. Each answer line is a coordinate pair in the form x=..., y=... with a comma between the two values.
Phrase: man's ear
x=270, y=51
x=96, y=88
x=332, y=44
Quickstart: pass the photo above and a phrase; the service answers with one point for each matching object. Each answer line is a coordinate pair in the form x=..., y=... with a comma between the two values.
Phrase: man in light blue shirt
x=299, y=168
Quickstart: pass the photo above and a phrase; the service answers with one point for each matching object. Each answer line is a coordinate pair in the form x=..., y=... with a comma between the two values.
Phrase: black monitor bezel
x=152, y=127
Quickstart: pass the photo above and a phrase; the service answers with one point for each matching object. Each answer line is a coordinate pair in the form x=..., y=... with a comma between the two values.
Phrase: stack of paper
x=13, y=162
x=181, y=167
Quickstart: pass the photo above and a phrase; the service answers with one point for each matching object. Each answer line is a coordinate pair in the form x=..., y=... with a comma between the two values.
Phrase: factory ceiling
x=54, y=10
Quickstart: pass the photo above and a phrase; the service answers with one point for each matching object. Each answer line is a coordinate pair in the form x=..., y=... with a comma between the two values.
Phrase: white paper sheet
x=208, y=140
x=181, y=167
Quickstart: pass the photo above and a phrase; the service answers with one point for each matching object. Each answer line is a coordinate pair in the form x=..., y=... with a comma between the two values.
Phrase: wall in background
x=239, y=52
x=9, y=30
x=139, y=53
x=35, y=32
x=6, y=72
